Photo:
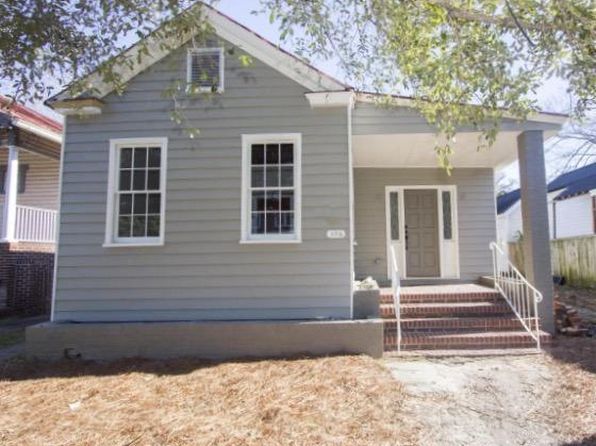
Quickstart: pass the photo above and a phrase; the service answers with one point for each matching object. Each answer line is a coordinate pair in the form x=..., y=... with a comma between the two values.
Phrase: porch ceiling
x=417, y=150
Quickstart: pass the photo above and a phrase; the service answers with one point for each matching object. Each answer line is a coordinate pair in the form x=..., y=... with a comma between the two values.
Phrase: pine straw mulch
x=572, y=397
x=344, y=400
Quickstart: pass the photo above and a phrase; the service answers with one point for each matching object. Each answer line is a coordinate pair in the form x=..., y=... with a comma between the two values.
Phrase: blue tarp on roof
x=578, y=181
x=507, y=200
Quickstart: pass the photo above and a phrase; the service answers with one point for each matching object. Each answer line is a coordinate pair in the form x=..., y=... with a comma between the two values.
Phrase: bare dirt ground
x=582, y=299
x=532, y=400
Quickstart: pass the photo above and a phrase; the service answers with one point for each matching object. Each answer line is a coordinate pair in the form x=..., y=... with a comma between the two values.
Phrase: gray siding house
x=295, y=186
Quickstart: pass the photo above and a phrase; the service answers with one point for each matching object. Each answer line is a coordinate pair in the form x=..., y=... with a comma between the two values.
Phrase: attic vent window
x=205, y=70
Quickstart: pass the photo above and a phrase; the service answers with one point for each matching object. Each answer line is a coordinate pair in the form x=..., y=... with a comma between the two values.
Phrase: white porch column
x=10, y=195
x=537, y=263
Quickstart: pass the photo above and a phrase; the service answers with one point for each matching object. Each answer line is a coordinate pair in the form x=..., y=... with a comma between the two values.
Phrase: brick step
x=455, y=323
x=439, y=340
x=458, y=309
x=443, y=297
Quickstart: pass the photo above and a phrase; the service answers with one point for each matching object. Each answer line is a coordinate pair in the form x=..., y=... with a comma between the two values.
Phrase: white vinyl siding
x=271, y=188
x=205, y=69
x=136, y=192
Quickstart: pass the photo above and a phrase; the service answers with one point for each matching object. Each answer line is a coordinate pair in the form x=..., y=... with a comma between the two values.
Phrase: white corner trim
x=110, y=239
x=264, y=138
x=325, y=99
x=58, y=220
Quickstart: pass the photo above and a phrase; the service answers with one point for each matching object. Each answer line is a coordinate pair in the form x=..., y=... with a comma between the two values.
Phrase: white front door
x=418, y=252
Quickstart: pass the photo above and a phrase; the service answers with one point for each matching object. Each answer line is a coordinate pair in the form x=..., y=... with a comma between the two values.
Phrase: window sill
x=270, y=241
x=132, y=245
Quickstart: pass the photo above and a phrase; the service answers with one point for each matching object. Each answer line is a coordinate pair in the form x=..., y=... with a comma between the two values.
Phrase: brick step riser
x=389, y=331
x=422, y=343
x=497, y=310
x=498, y=346
x=463, y=324
x=441, y=298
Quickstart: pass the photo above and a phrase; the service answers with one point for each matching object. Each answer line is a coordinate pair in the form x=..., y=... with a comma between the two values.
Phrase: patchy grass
x=345, y=400
x=11, y=337
x=12, y=329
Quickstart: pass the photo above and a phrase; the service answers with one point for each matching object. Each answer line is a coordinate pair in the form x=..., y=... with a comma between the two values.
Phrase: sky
x=552, y=95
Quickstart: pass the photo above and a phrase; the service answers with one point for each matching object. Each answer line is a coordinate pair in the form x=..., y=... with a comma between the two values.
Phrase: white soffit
x=417, y=150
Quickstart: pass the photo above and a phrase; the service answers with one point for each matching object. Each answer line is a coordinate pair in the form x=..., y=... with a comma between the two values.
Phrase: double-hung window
x=271, y=192
x=136, y=192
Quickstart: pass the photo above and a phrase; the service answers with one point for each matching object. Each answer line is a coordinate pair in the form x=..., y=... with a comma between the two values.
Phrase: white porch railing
x=396, y=288
x=35, y=224
x=521, y=295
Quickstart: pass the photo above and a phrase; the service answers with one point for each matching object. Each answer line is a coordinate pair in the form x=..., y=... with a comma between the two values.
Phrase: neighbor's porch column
x=10, y=195
x=532, y=179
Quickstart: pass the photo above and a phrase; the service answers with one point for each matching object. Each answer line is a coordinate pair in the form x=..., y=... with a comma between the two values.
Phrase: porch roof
x=23, y=127
x=399, y=136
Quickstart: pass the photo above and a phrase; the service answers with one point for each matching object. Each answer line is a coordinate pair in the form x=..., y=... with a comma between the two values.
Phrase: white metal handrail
x=396, y=287
x=521, y=295
x=35, y=224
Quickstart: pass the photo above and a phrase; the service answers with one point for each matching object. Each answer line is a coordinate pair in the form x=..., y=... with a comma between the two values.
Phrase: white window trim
x=191, y=52
x=274, y=138
x=113, y=170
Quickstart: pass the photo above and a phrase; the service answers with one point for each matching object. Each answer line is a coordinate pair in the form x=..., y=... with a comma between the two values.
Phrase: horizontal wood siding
x=378, y=119
x=41, y=186
x=476, y=216
x=202, y=272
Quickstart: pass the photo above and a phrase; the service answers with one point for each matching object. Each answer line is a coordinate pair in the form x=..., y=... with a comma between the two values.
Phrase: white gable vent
x=205, y=69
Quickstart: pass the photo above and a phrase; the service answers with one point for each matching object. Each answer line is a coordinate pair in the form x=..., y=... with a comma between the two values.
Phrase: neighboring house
x=571, y=201
x=30, y=147
x=295, y=185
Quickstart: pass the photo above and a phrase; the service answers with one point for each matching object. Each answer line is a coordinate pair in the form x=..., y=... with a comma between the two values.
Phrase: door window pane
x=447, y=218
x=394, y=214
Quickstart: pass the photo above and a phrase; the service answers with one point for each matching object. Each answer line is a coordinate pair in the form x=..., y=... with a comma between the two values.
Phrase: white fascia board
x=270, y=54
x=229, y=30
x=38, y=130
x=70, y=111
x=547, y=118
x=327, y=99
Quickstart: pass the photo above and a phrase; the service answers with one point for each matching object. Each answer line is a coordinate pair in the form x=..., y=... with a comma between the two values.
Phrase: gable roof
x=227, y=28
x=575, y=182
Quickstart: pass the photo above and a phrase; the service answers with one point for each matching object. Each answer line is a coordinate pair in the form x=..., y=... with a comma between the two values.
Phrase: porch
x=29, y=178
x=440, y=225
x=30, y=151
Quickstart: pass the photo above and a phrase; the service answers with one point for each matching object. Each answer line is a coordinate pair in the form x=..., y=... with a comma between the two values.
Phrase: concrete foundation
x=367, y=303
x=211, y=340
